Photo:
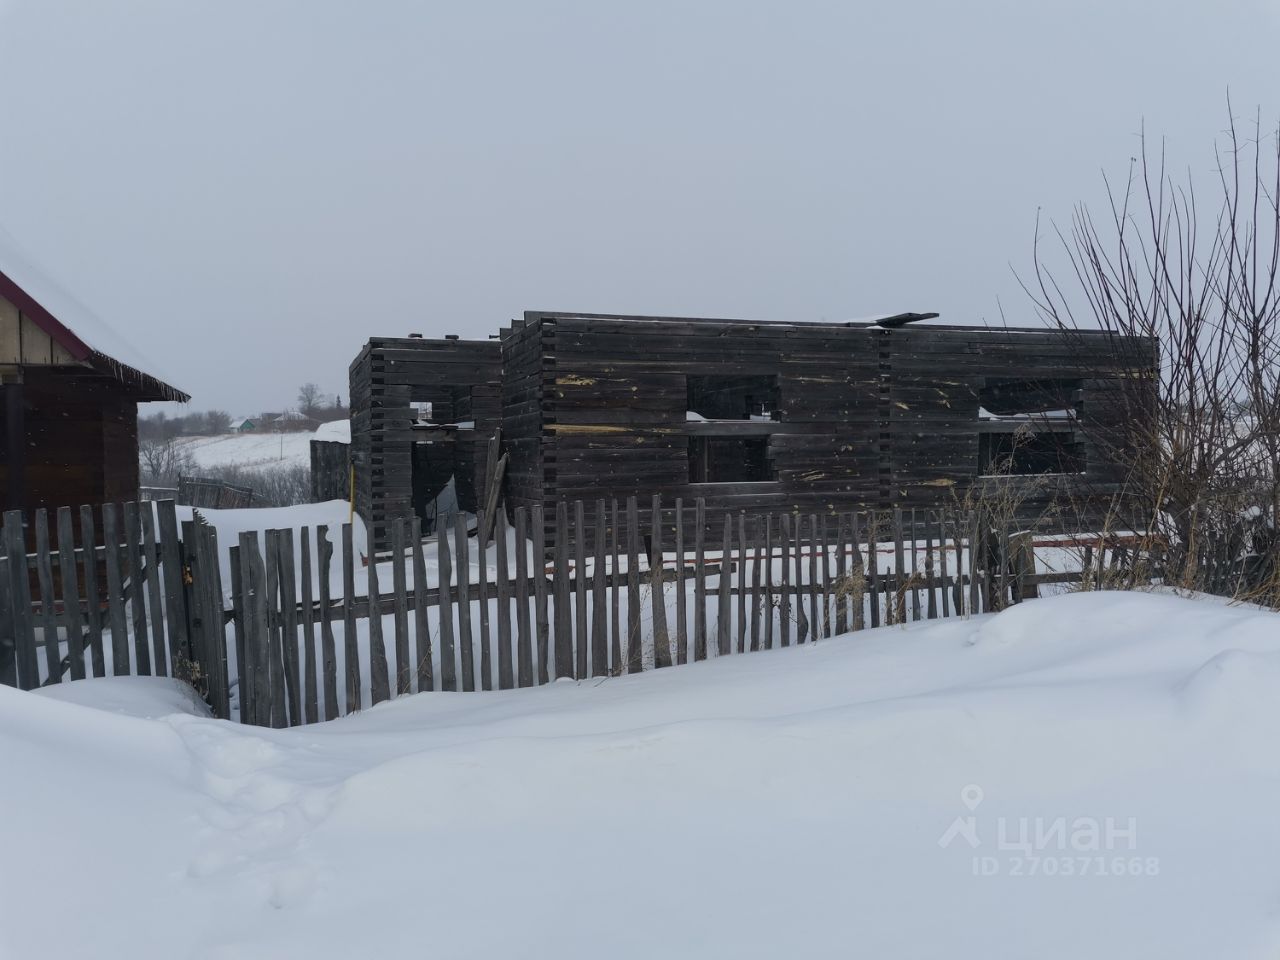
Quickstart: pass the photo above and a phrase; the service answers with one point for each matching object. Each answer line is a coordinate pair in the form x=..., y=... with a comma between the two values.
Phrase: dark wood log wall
x=867, y=417
x=81, y=439
x=462, y=381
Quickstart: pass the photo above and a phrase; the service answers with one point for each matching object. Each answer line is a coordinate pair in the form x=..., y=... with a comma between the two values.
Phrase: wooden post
x=48, y=600
x=815, y=585
x=742, y=581
x=784, y=587
x=658, y=600
x=756, y=584
x=238, y=624
x=682, y=622
x=857, y=573
x=379, y=675
x=174, y=591
x=137, y=592
x=288, y=625
x=560, y=589
x=842, y=573
x=930, y=574
x=944, y=580
x=768, y=581
x=873, y=568
x=328, y=648
x=802, y=621
x=465, y=641
x=615, y=592
x=115, y=591
x=154, y=589
x=253, y=627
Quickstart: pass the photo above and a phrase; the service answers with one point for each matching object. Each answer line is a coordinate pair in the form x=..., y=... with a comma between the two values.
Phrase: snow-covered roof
x=336, y=431
x=75, y=327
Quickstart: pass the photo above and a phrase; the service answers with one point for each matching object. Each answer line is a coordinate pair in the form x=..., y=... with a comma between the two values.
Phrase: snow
x=787, y=803
x=91, y=329
x=250, y=449
x=337, y=431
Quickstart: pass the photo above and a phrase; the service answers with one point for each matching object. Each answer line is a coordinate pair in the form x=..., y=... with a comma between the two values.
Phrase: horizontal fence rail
x=291, y=627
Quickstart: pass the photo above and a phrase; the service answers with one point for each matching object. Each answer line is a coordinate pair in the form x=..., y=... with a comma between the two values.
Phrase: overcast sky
x=249, y=189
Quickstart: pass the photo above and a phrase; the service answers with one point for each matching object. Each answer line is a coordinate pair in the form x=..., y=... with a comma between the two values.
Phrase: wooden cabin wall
x=523, y=398
x=387, y=378
x=81, y=440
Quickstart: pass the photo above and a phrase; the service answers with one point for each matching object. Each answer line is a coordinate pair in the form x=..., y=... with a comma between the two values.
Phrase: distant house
x=291, y=421
x=247, y=426
x=69, y=396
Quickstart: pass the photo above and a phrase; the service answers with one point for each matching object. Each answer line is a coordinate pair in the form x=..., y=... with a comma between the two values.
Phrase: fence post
x=658, y=600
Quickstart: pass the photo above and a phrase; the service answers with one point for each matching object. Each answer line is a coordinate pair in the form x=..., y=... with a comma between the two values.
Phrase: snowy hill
x=264, y=449
x=894, y=793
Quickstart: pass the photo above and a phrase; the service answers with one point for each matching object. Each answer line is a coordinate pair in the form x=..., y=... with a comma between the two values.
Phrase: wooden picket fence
x=296, y=636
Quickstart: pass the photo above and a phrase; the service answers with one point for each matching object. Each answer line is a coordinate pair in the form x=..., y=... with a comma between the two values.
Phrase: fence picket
x=48, y=601
x=682, y=622
x=379, y=673
x=930, y=574
x=422, y=627
x=802, y=620
x=310, y=693
x=463, y=578
x=482, y=576
x=700, y=580
x=723, y=613
x=635, y=661
x=857, y=583
x=541, y=616
x=657, y=596
x=524, y=639
x=137, y=593
x=350, y=638
x=400, y=608
x=580, y=642
x=506, y=676
x=219, y=684
x=742, y=581
x=563, y=621
x=768, y=581
x=175, y=600
x=150, y=551
x=92, y=592
x=448, y=667
x=115, y=591
x=615, y=591
x=873, y=568
x=784, y=584
x=275, y=654
x=815, y=585
x=842, y=590
x=238, y=620
x=288, y=625
x=70, y=593
x=328, y=649
x=599, y=599
x=944, y=579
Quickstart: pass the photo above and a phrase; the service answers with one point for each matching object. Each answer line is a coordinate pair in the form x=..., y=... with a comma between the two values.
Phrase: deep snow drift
x=893, y=793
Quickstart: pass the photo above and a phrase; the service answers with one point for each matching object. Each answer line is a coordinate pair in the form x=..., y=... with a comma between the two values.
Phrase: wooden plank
x=873, y=568
x=615, y=604
x=137, y=591
x=768, y=581
x=400, y=608
x=742, y=582
x=154, y=589
x=916, y=577
x=784, y=585
x=350, y=640
x=723, y=583
x=542, y=624
x=379, y=673
x=328, y=648
x=944, y=580
x=580, y=589
x=899, y=571
x=115, y=591
x=243, y=685
x=175, y=600
x=824, y=571
x=974, y=533
x=93, y=594
x=930, y=572
x=276, y=666
x=635, y=660
x=560, y=589
x=254, y=628
x=421, y=664
x=802, y=619
x=657, y=596
x=857, y=572
x=289, y=626
x=463, y=600
x=506, y=673
x=448, y=657
x=71, y=593
x=524, y=637
x=682, y=622
x=600, y=598
x=700, y=580
x=216, y=632
x=957, y=597
x=310, y=686
x=815, y=586
x=48, y=600
x=756, y=583
x=842, y=572
x=482, y=575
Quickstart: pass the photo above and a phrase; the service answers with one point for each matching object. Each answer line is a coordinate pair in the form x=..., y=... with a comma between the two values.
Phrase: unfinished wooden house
x=814, y=417
x=69, y=399
x=422, y=412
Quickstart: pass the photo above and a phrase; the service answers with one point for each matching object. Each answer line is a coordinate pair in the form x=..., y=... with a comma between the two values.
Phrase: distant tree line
x=313, y=406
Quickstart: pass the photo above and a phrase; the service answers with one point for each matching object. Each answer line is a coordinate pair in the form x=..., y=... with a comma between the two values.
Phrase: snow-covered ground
x=265, y=449
x=1092, y=775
